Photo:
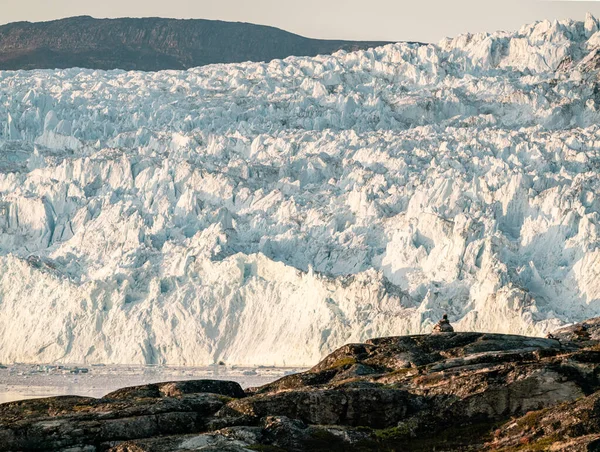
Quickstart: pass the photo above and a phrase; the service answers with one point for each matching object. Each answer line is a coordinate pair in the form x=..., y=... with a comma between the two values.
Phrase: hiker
x=443, y=326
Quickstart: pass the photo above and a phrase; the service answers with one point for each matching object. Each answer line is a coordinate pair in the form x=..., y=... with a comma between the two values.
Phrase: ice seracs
x=268, y=213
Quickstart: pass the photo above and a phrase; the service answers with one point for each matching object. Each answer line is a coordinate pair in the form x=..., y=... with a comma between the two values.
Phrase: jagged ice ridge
x=268, y=213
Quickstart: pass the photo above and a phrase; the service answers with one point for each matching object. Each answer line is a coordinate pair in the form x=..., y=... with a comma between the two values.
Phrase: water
x=22, y=381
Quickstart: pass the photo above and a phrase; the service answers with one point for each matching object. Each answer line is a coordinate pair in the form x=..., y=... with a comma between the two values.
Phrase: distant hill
x=151, y=44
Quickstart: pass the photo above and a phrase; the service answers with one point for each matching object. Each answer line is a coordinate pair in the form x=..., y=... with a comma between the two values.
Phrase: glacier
x=267, y=213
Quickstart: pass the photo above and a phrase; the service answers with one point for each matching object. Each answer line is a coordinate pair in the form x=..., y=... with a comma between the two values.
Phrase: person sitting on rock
x=443, y=326
x=581, y=333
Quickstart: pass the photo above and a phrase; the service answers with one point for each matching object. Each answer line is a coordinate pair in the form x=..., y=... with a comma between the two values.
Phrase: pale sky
x=390, y=20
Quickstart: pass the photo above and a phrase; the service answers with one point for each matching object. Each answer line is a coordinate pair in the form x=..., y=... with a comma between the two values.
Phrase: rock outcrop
x=444, y=392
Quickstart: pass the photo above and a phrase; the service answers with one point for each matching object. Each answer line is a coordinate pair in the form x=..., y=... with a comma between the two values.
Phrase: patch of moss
x=402, y=431
x=543, y=444
x=390, y=434
x=82, y=408
x=403, y=371
x=463, y=436
x=342, y=363
x=531, y=420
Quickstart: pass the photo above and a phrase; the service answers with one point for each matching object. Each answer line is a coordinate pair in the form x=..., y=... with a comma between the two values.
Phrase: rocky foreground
x=443, y=392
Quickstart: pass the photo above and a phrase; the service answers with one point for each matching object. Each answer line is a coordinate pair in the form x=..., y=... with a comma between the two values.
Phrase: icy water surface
x=20, y=381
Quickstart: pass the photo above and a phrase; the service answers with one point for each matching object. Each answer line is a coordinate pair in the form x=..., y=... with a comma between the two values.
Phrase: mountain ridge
x=152, y=43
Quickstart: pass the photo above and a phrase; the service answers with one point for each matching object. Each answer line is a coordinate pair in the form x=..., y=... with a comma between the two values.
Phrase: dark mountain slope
x=151, y=44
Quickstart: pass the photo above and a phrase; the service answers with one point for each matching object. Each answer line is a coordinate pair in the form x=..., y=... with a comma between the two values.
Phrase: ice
x=266, y=213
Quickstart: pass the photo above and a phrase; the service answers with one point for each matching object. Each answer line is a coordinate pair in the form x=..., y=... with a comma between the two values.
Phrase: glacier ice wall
x=268, y=213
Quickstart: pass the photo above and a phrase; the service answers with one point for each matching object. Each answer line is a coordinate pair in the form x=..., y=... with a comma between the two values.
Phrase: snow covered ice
x=264, y=214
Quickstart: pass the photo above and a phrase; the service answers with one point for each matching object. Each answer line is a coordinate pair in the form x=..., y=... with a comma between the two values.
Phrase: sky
x=389, y=20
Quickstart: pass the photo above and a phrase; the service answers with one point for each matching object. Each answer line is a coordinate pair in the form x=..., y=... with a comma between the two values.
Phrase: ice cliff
x=269, y=213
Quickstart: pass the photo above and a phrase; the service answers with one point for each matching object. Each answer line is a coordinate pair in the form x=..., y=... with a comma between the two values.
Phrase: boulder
x=179, y=388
